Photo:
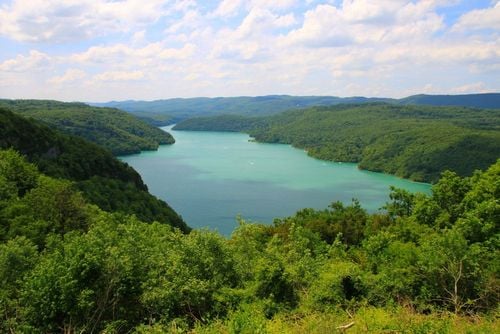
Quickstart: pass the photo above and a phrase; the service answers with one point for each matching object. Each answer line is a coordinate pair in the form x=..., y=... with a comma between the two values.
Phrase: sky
x=103, y=50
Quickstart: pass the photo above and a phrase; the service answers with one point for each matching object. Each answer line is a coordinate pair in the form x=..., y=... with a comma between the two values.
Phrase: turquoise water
x=211, y=177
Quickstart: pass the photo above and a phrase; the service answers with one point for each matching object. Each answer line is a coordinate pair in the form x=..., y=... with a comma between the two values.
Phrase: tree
x=17, y=172
x=17, y=257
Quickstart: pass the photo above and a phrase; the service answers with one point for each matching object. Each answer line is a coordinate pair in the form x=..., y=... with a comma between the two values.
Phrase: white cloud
x=263, y=21
x=366, y=21
x=184, y=5
x=34, y=61
x=247, y=47
x=101, y=54
x=73, y=20
x=323, y=26
x=183, y=53
x=192, y=19
x=123, y=54
x=369, y=11
x=70, y=76
x=227, y=8
x=119, y=76
x=275, y=4
x=488, y=18
x=138, y=37
x=476, y=87
x=253, y=38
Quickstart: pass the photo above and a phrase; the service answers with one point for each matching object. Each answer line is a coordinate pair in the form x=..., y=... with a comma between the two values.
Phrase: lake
x=210, y=178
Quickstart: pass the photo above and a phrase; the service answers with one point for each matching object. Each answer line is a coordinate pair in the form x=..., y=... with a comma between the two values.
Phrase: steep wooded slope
x=116, y=130
x=104, y=180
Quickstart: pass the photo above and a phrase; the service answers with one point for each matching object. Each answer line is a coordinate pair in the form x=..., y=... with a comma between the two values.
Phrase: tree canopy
x=110, y=128
x=68, y=267
x=103, y=179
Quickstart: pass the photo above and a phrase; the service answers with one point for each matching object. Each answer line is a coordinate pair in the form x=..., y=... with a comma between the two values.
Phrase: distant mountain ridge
x=483, y=101
x=163, y=112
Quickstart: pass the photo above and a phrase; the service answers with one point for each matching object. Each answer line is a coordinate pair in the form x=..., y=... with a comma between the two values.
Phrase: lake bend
x=210, y=178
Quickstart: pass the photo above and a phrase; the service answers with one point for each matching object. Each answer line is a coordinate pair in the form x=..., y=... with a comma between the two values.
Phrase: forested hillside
x=485, y=100
x=164, y=112
x=180, y=109
x=116, y=130
x=104, y=180
x=416, y=142
x=426, y=264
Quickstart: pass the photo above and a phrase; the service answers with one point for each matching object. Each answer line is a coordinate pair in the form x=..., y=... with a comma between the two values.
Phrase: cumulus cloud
x=119, y=76
x=366, y=21
x=488, y=18
x=34, y=61
x=253, y=37
x=73, y=20
x=121, y=53
x=144, y=49
x=192, y=19
x=476, y=87
x=70, y=76
x=229, y=8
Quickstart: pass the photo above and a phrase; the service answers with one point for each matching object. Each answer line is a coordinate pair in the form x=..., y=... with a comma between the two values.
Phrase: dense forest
x=84, y=248
x=415, y=142
x=165, y=112
x=485, y=100
x=103, y=179
x=424, y=264
x=113, y=129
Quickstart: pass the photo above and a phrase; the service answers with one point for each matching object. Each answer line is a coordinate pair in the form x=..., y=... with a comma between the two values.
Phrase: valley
x=250, y=167
x=210, y=178
x=221, y=232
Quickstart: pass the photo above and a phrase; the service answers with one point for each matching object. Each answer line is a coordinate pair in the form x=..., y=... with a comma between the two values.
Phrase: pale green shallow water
x=211, y=177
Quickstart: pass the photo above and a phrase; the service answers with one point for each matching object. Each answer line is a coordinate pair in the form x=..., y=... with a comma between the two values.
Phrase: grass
x=402, y=320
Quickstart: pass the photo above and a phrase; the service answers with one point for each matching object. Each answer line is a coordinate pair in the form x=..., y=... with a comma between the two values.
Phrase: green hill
x=180, y=109
x=164, y=112
x=485, y=100
x=416, y=142
x=116, y=130
x=104, y=180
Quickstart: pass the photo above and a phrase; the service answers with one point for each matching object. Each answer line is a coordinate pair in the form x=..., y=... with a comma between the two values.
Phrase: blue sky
x=102, y=50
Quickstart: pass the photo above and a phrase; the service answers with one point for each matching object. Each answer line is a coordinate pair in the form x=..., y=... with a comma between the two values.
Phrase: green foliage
x=346, y=222
x=338, y=283
x=248, y=319
x=123, y=272
x=487, y=100
x=114, y=195
x=103, y=179
x=182, y=109
x=54, y=207
x=409, y=141
x=164, y=112
x=60, y=155
x=228, y=123
x=66, y=266
x=17, y=257
x=113, y=129
x=18, y=177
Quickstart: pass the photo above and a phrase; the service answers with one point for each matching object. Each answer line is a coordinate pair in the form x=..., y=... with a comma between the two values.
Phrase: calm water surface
x=211, y=177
